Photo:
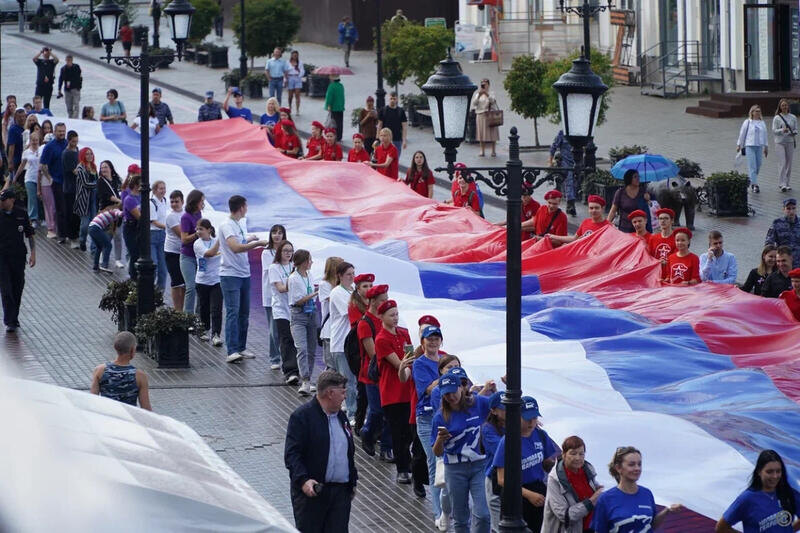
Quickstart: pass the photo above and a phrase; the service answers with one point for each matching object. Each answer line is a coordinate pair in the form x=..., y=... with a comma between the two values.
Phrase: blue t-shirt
x=424, y=371
x=534, y=452
x=243, y=112
x=270, y=119
x=15, y=138
x=490, y=439
x=624, y=513
x=465, y=429
x=435, y=400
x=43, y=111
x=51, y=156
x=760, y=512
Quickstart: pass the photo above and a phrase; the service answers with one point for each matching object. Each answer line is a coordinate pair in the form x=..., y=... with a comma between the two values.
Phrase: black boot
x=571, y=208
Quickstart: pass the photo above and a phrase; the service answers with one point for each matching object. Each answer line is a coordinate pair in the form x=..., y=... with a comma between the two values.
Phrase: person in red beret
x=315, y=142
x=552, y=220
x=662, y=243
x=429, y=320
x=331, y=150
x=133, y=168
x=358, y=299
x=595, y=221
x=289, y=141
x=792, y=297
x=464, y=195
x=419, y=176
x=454, y=183
x=392, y=344
x=638, y=220
x=683, y=267
x=285, y=113
x=358, y=154
x=529, y=209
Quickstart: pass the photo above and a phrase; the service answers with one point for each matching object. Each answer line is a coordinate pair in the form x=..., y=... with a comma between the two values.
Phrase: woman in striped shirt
x=101, y=229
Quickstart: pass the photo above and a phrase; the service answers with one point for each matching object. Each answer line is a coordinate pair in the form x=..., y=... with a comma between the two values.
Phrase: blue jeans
x=276, y=88
x=304, y=332
x=236, y=295
x=465, y=480
x=102, y=243
x=189, y=272
x=374, y=421
x=274, y=350
x=33, y=201
x=754, y=155
x=440, y=497
x=157, y=238
x=85, y=219
x=343, y=368
x=399, y=146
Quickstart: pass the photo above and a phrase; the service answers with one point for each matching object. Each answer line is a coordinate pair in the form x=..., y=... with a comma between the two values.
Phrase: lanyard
x=308, y=284
x=286, y=274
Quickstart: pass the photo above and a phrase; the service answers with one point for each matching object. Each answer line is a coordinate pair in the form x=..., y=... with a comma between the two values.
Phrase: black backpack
x=352, y=349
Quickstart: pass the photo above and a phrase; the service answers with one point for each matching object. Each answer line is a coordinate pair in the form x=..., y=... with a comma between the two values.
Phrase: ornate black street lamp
x=180, y=16
x=449, y=93
x=380, y=94
x=155, y=11
x=243, y=56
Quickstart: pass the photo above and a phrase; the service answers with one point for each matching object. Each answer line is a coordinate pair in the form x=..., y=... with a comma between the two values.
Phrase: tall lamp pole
x=380, y=94
x=243, y=57
x=585, y=11
x=108, y=13
x=21, y=16
x=155, y=9
x=449, y=93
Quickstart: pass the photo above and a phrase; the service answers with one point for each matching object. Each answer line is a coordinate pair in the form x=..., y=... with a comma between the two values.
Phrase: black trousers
x=419, y=461
x=61, y=210
x=338, y=117
x=45, y=90
x=73, y=221
x=328, y=512
x=361, y=406
x=534, y=516
x=130, y=234
x=288, y=351
x=12, y=281
x=397, y=415
x=209, y=306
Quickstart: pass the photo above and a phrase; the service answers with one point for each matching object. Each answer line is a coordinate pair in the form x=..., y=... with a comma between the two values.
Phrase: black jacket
x=307, y=444
x=776, y=283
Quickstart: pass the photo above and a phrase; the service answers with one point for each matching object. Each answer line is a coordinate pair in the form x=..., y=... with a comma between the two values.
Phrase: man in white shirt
x=340, y=327
x=234, y=278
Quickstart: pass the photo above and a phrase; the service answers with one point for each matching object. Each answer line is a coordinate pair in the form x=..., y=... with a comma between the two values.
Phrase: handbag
x=438, y=478
x=319, y=329
x=745, y=136
x=329, y=122
x=791, y=132
x=494, y=118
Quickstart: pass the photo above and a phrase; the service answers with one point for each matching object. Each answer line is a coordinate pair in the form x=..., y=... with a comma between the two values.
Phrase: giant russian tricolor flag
x=699, y=378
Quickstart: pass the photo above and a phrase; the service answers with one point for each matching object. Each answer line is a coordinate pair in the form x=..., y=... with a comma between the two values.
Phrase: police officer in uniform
x=14, y=226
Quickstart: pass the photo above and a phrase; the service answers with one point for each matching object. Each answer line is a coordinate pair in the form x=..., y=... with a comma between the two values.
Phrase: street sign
x=435, y=21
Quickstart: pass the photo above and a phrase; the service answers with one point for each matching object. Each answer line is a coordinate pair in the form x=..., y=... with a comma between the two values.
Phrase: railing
x=669, y=67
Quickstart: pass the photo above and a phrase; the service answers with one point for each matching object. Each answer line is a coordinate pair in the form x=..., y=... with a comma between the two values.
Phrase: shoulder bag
x=745, y=136
x=494, y=117
x=791, y=131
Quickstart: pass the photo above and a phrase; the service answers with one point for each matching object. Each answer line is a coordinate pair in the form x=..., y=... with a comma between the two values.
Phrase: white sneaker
x=233, y=358
x=216, y=341
x=275, y=366
x=75, y=245
x=247, y=354
x=443, y=522
x=305, y=389
x=204, y=337
x=119, y=264
x=312, y=387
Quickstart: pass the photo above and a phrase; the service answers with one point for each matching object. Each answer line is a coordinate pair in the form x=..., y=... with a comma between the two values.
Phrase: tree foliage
x=268, y=23
x=412, y=50
x=601, y=65
x=393, y=71
x=525, y=86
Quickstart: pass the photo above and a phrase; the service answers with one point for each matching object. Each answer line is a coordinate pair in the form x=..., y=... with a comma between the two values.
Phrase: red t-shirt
x=661, y=248
x=331, y=152
x=792, y=302
x=419, y=182
x=392, y=391
x=645, y=238
x=289, y=142
x=381, y=154
x=470, y=198
x=543, y=217
x=682, y=269
x=582, y=489
x=528, y=212
x=365, y=332
x=354, y=156
x=126, y=34
x=312, y=146
x=588, y=226
x=353, y=313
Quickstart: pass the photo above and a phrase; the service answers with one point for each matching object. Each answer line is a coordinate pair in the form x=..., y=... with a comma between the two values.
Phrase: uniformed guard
x=14, y=226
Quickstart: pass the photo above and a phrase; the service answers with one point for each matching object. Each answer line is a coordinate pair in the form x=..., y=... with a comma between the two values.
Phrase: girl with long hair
x=158, y=231
x=289, y=144
x=130, y=225
x=207, y=284
x=419, y=176
x=277, y=234
x=85, y=192
x=326, y=285
x=279, y=272
x=303, y=317
x=295, y=80
x=172, y=249
x=108, y=194
x=193, y=212
x=757, y=277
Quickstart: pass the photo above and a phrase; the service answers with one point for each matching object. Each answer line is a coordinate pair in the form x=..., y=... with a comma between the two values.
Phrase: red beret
x=286, y=123
x=666, y=210
x=377, y=290
x=595, y=199
x=552, y=194
x=364, y=277
x=133, y=168
x=430, y=320
x=460, y=165
x=637, y=213
x=358, y=136
x=318, y=124
x=285, y=110
x=385, y=306
x=687, y=231
x=330, y=130
x=794, y=273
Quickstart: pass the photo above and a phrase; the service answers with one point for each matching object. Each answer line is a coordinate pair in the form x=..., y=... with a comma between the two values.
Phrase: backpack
x=352, y=349
x=480, y=199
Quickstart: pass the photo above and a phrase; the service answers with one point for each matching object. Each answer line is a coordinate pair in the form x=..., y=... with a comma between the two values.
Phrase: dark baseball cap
x=7, y=194
x=789, y=201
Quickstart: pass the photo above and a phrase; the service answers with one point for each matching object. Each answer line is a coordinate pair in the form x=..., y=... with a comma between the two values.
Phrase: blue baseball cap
x=209, y=94
x=496, y=401
x=449, y=383
x=530, y=408
x=789, y=201
x=431, y=330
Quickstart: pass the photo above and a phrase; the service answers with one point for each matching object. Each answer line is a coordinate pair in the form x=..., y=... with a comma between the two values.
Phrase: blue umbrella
x=651, y=167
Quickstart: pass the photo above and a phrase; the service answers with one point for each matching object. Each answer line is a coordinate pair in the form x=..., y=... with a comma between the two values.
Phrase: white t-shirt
x=152, y=122
x=173, y=242
x=324, y=295
x=280, y=300
x=234, y=264
x=158, y=211
x=267, y=257
x=300, y=287
x=340, y=323
x=32, y=164
x=207, y=267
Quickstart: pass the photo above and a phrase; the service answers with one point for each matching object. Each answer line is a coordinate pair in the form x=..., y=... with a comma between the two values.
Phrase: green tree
x=394, y=72
x=419, y=49
x=205, y=11
x=525, y=85
x=601, y=65
x=268, y=23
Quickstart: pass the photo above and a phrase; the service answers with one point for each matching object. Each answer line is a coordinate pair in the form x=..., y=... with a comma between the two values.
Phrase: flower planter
x=318, y=86
x=139, y=35
x=189, y=53
x=94, y=39
x=218, y=58
x=171, y=350
x=43, y=27
x=728, y=198
x=85, y=37
x=253, y=89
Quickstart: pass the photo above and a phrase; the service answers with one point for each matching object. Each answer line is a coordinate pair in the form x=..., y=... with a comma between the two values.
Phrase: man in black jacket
x=319, y=454
x=71, y=81
x=778, y=281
